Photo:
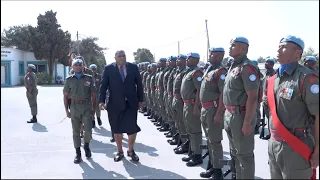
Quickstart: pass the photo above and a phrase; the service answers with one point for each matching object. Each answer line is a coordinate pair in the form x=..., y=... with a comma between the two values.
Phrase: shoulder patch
x=314, y=89
x=222, y=76
x=252, y=77
x=199, y=78
x=197, y=72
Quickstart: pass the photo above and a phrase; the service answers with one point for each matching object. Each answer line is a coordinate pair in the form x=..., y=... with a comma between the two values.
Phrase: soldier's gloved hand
x=246, y=129
x=101, y=106
x=68, y=114
x=314, y=160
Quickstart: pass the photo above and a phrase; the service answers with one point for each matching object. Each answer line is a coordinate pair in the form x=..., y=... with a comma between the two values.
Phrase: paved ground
x=45, y=150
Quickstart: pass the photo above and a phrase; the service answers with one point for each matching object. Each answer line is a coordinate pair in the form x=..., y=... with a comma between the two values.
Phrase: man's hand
x=196, y=111
x=101, y=106
x=314, y=160
x=68, y=114
x=217, y=118
x=140, y=105
x=246, y=129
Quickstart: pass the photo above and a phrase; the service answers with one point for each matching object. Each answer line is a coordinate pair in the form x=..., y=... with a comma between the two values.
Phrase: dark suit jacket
x=131, y=89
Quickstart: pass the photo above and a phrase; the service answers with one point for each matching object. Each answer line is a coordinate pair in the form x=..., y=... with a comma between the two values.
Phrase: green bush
x=44, y=78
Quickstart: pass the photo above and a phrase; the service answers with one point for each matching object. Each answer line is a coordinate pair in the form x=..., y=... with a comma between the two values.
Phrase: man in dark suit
x=123, y=81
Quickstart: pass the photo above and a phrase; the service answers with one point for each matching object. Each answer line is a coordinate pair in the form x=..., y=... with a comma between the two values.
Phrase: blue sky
x=159, y=25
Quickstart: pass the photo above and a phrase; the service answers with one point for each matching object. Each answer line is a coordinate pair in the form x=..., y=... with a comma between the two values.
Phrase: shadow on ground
x=142, y=148
x=140, y=171
x=98, y=172
x=101, y=147
x=101, y=131
x=39, y=127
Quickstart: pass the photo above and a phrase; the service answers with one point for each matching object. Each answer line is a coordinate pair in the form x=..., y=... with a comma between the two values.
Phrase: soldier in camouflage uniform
x=97, y=78
x=159, y=92
x=143, y=72
x=190, y=90
x=177, y=105
x=155, y=118
x=212, y=112
x=144, y=79
x=30, y=82
x=81, y=89
x=168, y=85
x=151, y=88
x=240, y=97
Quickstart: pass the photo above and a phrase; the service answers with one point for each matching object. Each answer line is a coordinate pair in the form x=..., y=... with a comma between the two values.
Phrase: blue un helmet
x=93, y=66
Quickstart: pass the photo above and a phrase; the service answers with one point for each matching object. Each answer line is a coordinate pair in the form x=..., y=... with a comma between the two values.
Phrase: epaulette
x=87, y=75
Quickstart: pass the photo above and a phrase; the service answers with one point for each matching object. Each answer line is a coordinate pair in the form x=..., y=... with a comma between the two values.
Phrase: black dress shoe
x=112, y=140
x=208, y=173
x=32, y=120
x=133, y=155
x=118, y=157
x=195, y=160
x=173, y=142
x=217, y=174
x=188, y=158
x=181, y=150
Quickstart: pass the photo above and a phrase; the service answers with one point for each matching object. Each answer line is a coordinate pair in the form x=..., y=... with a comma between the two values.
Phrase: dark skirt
x=124, y=121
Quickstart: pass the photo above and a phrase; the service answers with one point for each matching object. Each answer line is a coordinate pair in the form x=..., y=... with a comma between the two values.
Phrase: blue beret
x=93, y=66
x=217, y=49
x=154, y=64
x=208, y=64
x=240, y=39
x=149, y=65
x=194, y=55
x=293, y=39
x=310, y=58
x=163, y=59
x=182, y=56
x=32, y=66
x=146, y=63
x=270, y=60
x=172, y=58
x=77, y=61
x=254, y=62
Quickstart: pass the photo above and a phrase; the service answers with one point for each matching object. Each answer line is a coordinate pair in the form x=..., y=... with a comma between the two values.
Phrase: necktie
x=122, y=73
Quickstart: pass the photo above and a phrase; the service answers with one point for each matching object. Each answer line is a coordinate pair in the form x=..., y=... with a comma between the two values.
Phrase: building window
x=21, y=68
x=40, y=68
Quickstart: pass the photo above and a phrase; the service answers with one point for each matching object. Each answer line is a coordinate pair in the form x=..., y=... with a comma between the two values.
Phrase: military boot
x=33, y=120
x=217, y=174
x=169, y=134
x=184, y=148
x=148, y=113
x=87, y=150
x=164, y=128
x=188, y=158
x=151, y=115
x=178, y=145
x=78, y=158
x=209, y=171
x=196, y=159
x=99, y=121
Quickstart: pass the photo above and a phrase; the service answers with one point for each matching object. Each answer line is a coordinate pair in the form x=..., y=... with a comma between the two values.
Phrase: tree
x=143, y=55
x=261, y=60
x=49, y=41
x=18, y=37
x=91, y=51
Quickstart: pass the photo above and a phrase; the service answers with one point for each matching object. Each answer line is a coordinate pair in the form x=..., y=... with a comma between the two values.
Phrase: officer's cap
x=241, y=39
x=254, y=62
x=182, y=56
x=293, y=39
x=270, y=60
x=32, y=66
x=172, y=58
x=77, y=61
x=310, y=58
x=216, y=49
x=194, y=55
x=163, y=59
x=93, y=66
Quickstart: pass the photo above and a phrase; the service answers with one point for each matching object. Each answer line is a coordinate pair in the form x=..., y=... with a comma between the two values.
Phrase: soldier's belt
x=300, y=133
x=177, y=96
x=236, y=109
x=188, y=101
x=153, y=88
x=210, y=104
x=78, y=101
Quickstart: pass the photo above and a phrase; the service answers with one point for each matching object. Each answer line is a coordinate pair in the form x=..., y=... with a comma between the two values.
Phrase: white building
x=14, y=64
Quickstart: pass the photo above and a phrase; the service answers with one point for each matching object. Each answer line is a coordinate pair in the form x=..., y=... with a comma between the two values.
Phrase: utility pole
x=178, y=47
x=208, y=42
x=78, y=46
